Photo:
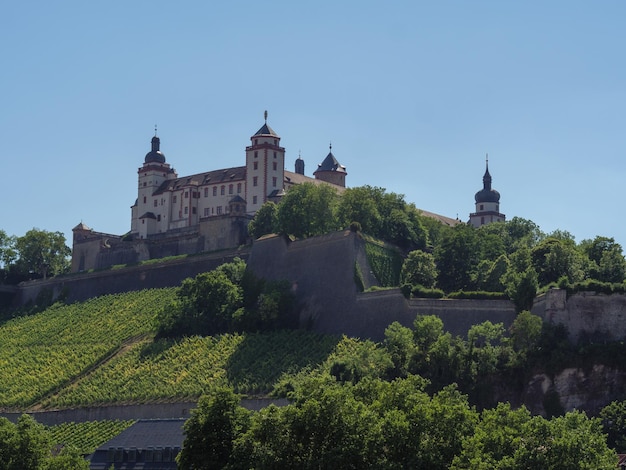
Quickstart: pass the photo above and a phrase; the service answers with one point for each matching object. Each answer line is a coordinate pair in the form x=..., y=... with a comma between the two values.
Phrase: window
x=238, y=188
x=186, y=194
x=274, y=154
x=255, y=181
x=186, y=210
x=144, y=199
x=219, y=210
x=159, y=218
x=482, y=207
x=275, y=143
x=274, y=181
x=193, y=210
x=206, y=212
x=214, y=190
x=256, y=154
x=482, y=221
x=256, y=165
x=206, y=192
x=256, y=142
x=156, y=203
x=144, y=184
x=274, y=166
x=230, y=189
x=174, y=199
x=223, y=190
x=254, y=199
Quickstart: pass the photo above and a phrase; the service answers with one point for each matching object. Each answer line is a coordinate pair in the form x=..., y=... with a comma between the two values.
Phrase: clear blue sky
x=411, y=94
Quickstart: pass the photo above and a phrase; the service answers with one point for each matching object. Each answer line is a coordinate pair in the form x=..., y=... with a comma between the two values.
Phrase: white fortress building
x=203, y=212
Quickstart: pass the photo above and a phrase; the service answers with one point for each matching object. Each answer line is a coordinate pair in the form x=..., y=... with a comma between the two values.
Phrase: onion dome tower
x=331, y=171
x=487, y=203
x=151, y=175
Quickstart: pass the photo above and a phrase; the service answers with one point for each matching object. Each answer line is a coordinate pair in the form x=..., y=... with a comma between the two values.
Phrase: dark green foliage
x=553, y=258
x=307, y=210
x=419, y=269
x=478, y=295
x=27, y=445
x=386, y=263
x=613, y=418
x=228, y=298
x=423, y=292
x=211, y=431
x=42, y=253
x=521, y=288
x=265, y=220
x=457, y=257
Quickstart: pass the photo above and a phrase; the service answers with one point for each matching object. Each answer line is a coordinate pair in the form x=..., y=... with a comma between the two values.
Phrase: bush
x=478, y=295
x=421, y=291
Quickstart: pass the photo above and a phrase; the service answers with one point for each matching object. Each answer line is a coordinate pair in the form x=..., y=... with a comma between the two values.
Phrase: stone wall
x=84, y=286
x=321, y=270
x=585, y=314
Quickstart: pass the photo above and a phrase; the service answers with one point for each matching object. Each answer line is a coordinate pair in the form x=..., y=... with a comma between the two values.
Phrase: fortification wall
x=126, y=412
x=321, y=270
x=84, y=286
x=585, y=314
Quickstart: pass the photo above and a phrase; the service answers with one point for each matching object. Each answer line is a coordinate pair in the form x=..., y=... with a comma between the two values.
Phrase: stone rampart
x=585, y=314
x=321, y=270
x=83, y=286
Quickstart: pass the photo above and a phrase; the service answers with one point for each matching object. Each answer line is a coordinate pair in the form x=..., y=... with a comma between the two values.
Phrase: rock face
x=586, y=390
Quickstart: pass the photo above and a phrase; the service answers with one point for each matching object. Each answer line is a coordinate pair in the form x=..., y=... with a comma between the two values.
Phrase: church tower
x=265, y=168
x=146, y=210
x=487, y=203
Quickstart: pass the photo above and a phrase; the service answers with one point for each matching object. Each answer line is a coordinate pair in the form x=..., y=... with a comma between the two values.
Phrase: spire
x=265, y=115
x=487, y=176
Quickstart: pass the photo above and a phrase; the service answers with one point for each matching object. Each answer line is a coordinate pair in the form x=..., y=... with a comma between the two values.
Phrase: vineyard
x=386, y=262
x=185, y=369
x=42, y=353
x=87, y=436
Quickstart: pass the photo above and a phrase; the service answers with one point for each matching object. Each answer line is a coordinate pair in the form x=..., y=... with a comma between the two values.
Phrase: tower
x=265, y=167
x=146, y=210
x=487, y=203
x=331, y=171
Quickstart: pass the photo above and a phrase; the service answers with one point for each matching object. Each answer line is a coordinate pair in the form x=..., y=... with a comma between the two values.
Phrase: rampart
x=587, y=315
x=322, y=270
x=83, y=286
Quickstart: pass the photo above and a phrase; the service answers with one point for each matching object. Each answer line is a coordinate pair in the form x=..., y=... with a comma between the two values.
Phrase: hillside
x=102, y=352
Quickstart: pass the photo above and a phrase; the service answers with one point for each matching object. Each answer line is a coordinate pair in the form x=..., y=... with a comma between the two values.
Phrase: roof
x=330, y=163
x=81, y=226
x=292, y=178
x=148, y=215
x=149, y=433
x=487, y=194
x=441, y=218
x=226, y=175
x=266, y=130
x=237, y=198
x=155, y=155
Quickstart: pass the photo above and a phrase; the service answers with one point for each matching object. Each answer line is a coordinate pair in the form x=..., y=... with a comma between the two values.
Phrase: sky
x=412, y=95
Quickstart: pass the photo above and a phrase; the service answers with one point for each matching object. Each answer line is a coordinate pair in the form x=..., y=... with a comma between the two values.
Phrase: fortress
x=210, y=211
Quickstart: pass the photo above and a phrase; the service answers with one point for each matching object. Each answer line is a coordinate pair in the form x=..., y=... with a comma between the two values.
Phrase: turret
x=487, y=203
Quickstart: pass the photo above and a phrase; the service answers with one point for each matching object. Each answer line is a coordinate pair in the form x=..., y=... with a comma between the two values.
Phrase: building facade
x=175, y=215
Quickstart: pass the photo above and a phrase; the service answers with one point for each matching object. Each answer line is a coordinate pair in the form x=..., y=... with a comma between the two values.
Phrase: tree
x=307, y=210
x=23, y=446
x=525, y=334
x=42, y=253
x=606, y=257
x=265, y=220
x=359, y=205
x=210, y=431
x=419, y=269
x=457, y=257
x=7, y=250
x=554, y=258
